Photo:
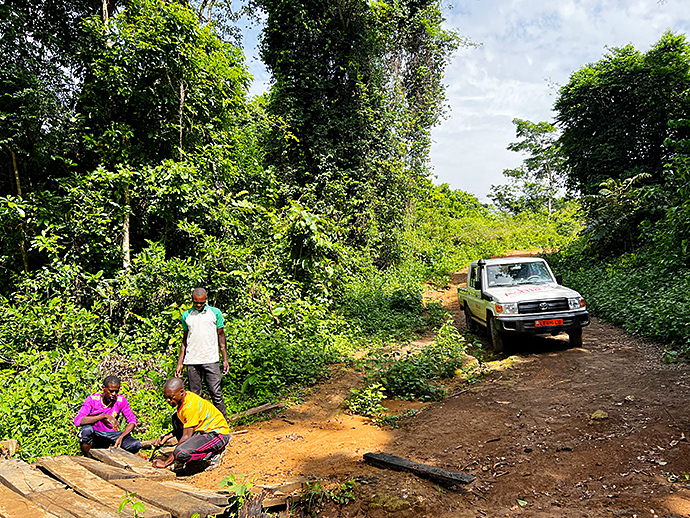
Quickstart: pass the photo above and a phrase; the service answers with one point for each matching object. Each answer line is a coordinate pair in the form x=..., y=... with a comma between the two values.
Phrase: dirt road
x=599, y=431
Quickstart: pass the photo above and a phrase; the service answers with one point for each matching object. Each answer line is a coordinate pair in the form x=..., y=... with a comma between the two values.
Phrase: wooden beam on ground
x=179, y=504
x=65, y=503
x=11, y=446
x=104, y=471
x=14, y=505
x=125, y=460
x=256, y=410
x=441, y=476
x=21, y=478
x=208, y=495
x=148, y=444
x=91, y=486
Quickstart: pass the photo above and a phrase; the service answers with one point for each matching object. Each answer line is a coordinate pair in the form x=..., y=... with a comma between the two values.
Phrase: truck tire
x=470, y=324
x=495, y=335
x=575, y=337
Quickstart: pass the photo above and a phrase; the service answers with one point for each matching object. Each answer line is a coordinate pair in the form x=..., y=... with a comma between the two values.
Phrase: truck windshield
x=517, y=273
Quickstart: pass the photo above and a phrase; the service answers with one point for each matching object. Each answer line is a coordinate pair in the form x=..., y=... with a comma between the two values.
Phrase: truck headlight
x=577, y=303
x=508, y=308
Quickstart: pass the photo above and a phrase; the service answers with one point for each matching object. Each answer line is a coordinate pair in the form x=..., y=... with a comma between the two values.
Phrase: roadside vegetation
x=134, y=168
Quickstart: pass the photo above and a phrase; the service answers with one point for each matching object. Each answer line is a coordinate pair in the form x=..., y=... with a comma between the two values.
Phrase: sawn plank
x=89, y=485
x=179, y=504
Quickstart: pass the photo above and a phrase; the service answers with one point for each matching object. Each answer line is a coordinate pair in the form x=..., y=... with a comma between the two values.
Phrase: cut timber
x=443, y=477
x=89, y=485
x=21, y=478
x=255, y=410
x=105, y=471
x=180, y=505
x=287, y=487
x=279, y=494
x=65, y=503
x=123, y=459
x=13, y=505
x=207, y=495
x=148, y=444
x=11, y=445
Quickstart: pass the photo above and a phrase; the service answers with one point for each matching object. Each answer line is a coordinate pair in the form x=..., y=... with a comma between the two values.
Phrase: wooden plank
x=256, y=410
x=14, y=505
x=123, y=459
x=442, y=476
x=21, y=478
x=207, y=495
x=65, y=503
x=89, y=485
x=179, y=504
x=11, y=446
x=104, y=471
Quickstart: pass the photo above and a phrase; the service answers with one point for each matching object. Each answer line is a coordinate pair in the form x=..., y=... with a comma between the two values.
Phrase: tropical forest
x=135, y=166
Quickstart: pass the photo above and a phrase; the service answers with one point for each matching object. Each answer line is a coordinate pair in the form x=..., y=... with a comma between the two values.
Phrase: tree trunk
x=22, y=243
x=182, y=93
x=125, y=233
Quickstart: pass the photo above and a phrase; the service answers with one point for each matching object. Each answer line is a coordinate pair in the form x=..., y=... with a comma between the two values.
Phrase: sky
x=528, y=49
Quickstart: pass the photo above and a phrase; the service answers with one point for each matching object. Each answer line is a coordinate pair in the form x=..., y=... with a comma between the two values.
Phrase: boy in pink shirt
x=98, y=422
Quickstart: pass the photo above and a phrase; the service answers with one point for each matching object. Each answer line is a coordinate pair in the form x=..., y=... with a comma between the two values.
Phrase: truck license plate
x=545, y=323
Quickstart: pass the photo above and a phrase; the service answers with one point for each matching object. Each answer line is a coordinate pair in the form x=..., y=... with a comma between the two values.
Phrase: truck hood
x=528, y=292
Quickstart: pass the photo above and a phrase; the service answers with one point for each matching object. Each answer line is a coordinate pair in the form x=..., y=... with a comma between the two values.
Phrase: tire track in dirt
x=525, y=431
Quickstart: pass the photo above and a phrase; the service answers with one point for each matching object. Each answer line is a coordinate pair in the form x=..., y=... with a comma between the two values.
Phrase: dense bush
x=449, y=229
x=416, y=375
x=637, y=292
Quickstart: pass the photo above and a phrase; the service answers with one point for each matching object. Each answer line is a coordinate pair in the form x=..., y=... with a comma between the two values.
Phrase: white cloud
x=526, y=46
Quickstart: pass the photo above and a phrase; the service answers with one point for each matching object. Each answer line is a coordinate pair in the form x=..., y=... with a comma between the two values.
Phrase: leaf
x=522, y=503
x=662, y=463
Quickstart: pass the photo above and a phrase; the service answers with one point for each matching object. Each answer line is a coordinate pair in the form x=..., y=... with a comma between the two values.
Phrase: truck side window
x=473, y=276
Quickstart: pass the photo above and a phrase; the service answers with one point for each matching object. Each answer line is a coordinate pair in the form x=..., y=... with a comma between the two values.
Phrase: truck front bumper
x=527, y=324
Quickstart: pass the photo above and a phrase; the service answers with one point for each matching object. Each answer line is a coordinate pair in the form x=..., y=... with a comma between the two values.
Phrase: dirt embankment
x=548, y=431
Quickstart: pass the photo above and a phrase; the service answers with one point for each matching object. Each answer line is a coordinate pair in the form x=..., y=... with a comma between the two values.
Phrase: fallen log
x=441, y=476
x=256, y=410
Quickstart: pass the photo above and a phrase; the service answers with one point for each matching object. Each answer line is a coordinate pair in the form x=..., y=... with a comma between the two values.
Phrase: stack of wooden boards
x=77, y=487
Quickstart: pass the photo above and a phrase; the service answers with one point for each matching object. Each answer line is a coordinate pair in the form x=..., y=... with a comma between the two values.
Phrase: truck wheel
x=575, y=337
x=469, y=323
x=495, y=334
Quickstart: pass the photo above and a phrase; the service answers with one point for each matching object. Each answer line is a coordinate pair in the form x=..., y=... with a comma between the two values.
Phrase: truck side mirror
x=559, y=278
x=478, y=284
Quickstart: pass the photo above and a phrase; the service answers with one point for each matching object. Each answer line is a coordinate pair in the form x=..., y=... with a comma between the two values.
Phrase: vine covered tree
x=357, y=87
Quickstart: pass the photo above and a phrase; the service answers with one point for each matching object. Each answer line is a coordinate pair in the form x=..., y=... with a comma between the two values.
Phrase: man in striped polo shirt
x=203, y=336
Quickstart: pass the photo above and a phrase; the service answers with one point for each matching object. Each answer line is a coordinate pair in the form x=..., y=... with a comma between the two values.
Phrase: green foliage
x=535, y=183
x=345, y=493
x=633, y=291
x=239, y=487
x=138, y=508
x=414, y=375
x=356, y=91
x=315, y=496
x=614, y=113
x=449, y=229
x=367, y=401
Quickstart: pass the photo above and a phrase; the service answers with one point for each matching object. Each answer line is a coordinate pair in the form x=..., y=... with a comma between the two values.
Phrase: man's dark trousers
x=211, y=372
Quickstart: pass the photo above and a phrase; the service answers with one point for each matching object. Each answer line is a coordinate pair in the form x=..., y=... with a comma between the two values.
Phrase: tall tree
x=535, y=183
x=357, y=87
x=614, y=113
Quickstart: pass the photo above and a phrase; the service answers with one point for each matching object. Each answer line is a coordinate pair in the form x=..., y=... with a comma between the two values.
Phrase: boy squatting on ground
x=201, y=429
x=98, y=423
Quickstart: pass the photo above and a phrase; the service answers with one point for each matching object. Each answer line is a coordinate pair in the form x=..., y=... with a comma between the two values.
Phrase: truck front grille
x=543, y=306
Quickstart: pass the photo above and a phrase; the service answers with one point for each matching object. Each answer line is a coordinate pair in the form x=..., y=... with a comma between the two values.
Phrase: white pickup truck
x=520, y=295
